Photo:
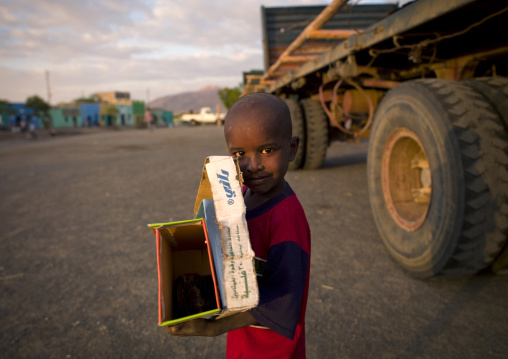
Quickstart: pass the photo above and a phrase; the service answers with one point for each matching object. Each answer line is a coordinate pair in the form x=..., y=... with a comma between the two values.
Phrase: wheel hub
x=406, y=179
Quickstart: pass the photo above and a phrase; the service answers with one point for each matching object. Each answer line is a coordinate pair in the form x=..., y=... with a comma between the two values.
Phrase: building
x=116, y=97
x=138, y=111
x=125, y=115
x=162, y=117
x=110, y=109
x=109, y=113
x=66, y=116
x=20, y=116
x=90, y=114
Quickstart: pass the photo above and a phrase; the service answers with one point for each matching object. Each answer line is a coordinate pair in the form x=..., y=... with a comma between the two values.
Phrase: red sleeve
x=282, y=286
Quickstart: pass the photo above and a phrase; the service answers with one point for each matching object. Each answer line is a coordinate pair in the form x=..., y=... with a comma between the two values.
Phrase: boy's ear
x=293, y=147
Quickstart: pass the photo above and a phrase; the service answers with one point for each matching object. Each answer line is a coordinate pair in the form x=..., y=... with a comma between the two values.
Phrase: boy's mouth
x=256, y=180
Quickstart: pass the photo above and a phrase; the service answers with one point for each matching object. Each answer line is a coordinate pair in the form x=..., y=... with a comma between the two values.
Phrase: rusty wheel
x=298, y=130
x=406, y=179
x=434, y=170
x=316, y=134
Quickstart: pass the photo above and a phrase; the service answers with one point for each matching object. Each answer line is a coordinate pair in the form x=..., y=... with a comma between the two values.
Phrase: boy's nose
x=254, y=164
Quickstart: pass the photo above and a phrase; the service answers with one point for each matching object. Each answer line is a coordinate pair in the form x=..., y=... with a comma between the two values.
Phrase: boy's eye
x=239, y=154
x=266, y=150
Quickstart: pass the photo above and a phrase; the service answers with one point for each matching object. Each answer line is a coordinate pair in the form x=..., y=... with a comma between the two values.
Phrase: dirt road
x=78, y=264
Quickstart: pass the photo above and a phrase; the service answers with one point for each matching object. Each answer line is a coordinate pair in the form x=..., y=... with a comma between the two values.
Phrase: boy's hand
x=211, y=328
x=196, y=327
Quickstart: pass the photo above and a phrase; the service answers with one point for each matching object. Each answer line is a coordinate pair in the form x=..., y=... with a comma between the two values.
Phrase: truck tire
x=194, y=123
x=316, y=134
x=298, y=130
x=495, y=91
x=432, y=176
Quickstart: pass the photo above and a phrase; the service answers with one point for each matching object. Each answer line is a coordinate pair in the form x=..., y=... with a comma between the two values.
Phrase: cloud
x=128, y=45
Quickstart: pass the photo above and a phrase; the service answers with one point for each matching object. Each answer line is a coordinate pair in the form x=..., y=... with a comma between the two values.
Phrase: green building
x=138, y=112
x=162, y=117
x=125, y=115
x=67, y=116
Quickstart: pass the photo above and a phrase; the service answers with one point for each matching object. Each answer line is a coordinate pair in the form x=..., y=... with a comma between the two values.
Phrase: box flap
x=240, y=283
x=207, y=211
x=204, y=190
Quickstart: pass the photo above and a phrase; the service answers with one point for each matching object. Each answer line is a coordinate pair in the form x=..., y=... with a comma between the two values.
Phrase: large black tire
x=298, y=130
x=495, y=91
x=456, y=233
x=316, y=134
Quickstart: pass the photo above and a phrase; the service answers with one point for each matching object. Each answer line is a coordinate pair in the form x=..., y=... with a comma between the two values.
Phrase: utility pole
x=219, y=121
x=48, y=87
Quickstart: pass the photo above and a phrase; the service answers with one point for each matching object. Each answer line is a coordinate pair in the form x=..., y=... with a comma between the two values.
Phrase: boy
x=258, y=133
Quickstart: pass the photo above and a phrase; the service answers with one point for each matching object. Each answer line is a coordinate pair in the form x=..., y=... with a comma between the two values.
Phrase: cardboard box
x=183, y=248
x=210, y=255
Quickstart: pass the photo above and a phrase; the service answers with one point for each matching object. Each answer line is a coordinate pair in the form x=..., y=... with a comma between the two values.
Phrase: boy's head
x=258, y=132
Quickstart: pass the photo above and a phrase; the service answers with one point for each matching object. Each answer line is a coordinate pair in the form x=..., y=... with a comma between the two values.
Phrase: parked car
x=205, y=115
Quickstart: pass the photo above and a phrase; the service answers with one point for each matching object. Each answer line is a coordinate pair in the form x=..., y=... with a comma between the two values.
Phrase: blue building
x=22, y=116
x=90, y=114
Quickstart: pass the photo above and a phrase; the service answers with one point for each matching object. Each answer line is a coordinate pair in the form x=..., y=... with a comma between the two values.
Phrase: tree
x=228, y=96
x=91, y=99
x=5, y=110
x=112, y=113
x=6, y=107
x=41, y=109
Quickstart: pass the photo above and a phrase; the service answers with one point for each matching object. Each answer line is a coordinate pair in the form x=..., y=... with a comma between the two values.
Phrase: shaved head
x=258, y=130
x=267, y=110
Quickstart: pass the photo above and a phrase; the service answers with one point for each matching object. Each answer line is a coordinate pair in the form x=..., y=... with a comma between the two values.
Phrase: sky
x=150, y=48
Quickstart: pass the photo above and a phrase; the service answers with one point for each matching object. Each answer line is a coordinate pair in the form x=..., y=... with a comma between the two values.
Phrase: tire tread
x=316, y=134
x=484, y=146
x=298, y=125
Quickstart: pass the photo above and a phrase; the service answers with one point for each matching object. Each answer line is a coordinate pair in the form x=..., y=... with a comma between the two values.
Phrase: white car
x=205, y=115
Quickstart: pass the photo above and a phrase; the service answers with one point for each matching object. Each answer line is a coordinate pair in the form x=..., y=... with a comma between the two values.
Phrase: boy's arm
x=284, y=285
x=211, y=328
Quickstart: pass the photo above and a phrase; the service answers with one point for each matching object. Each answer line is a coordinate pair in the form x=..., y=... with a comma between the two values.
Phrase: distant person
x=258, y=133
x=31, y=130
x=149, y=120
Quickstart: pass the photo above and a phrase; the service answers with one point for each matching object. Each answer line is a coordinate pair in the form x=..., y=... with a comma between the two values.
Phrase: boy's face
x=263, y=151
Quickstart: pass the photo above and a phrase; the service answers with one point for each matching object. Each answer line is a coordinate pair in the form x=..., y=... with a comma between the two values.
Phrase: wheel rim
x=406, y=179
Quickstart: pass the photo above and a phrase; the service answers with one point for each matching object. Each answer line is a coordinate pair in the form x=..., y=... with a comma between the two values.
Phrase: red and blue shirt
x=280, y=234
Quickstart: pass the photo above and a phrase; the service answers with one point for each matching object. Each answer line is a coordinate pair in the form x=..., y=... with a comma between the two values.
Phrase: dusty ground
x=78, y=267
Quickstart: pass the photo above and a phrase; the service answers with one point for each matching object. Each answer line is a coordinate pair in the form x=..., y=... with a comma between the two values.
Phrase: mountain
x=186, y=101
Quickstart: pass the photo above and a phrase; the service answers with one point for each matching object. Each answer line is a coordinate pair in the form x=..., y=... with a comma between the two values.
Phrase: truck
x=426, y=85
x=205, y=115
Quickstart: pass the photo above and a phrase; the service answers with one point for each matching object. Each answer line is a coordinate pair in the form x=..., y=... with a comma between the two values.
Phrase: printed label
x=224, y=180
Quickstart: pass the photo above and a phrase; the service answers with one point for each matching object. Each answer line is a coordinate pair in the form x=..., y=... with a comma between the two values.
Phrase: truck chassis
x=427, y=84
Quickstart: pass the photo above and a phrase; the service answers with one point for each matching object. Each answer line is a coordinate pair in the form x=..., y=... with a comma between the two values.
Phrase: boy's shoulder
x=279, y=221
x=287, y=200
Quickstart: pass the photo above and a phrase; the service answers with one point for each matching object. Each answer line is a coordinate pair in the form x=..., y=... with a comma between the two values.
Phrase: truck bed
x=451, y=29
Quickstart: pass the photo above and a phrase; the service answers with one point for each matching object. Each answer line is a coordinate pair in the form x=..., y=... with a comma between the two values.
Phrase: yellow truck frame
x=427, y=85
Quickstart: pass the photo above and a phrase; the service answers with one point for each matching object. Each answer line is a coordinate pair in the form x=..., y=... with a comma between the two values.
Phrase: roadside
x=6, y=135
x=78, y=265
